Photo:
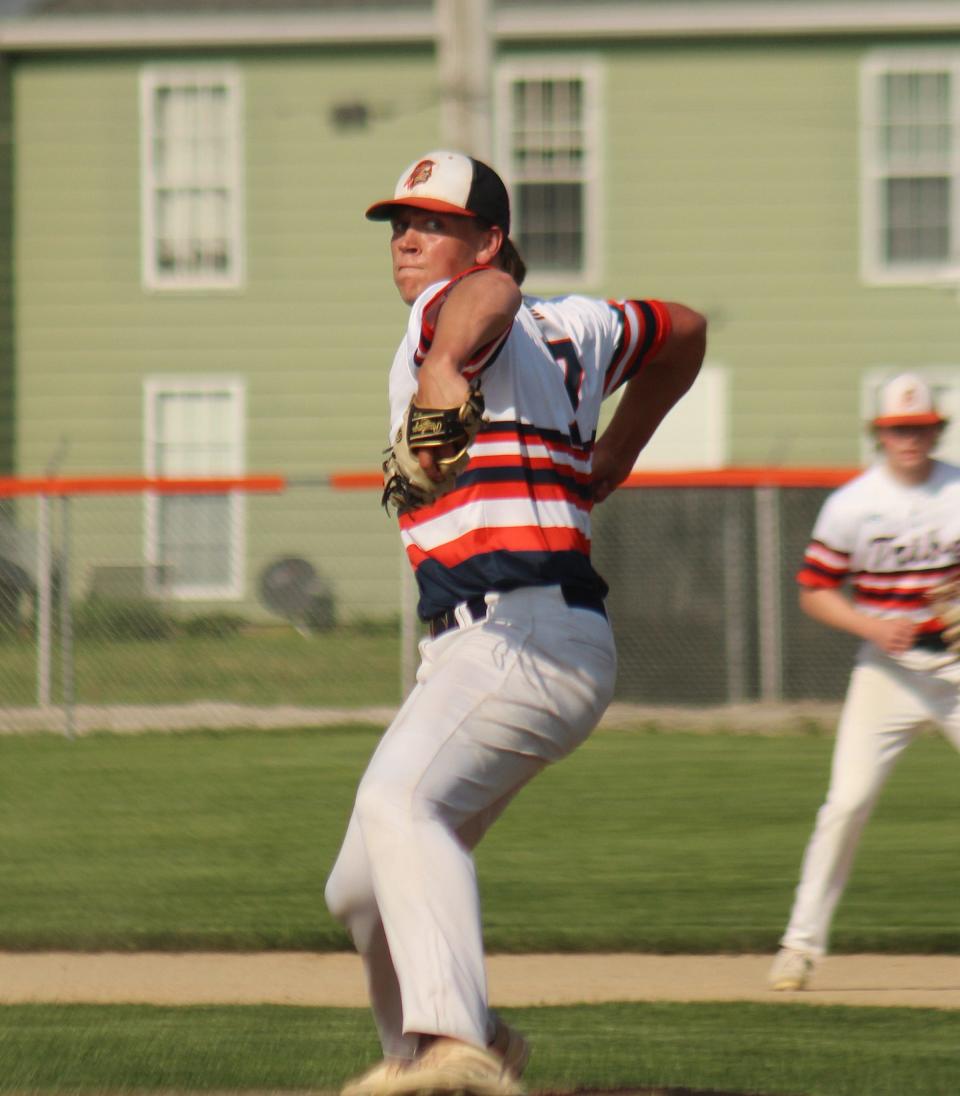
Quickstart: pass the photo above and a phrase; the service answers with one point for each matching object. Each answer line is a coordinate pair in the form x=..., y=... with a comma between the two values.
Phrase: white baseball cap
x=907, y=401
x=449, y=182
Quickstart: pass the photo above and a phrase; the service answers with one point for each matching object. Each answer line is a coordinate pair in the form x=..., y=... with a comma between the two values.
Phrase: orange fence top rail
x=712, y=477
x=64, y=486
x=61, y=486
x=744, y=477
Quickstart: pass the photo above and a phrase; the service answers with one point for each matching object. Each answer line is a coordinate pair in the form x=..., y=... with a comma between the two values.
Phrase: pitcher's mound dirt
x=306, y=978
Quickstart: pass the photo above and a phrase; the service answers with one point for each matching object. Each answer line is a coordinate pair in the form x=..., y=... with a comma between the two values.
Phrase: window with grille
x=911, y=167
x=195, y=543
x=547, y=122
x=191, y=173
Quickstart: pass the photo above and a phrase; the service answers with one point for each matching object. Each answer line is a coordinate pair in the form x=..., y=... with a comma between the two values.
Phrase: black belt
x=931, y=641
x=476, y=608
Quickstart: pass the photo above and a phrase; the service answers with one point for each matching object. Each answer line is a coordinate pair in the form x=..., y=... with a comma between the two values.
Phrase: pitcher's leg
x=350, y=898
x=879, y=718
x=481, y=728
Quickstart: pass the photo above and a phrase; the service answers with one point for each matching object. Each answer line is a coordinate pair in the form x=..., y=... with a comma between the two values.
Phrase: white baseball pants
x=494, y=703
x=887, y=701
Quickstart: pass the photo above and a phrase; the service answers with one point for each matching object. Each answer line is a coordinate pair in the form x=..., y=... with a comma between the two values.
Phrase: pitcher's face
x=429, y=247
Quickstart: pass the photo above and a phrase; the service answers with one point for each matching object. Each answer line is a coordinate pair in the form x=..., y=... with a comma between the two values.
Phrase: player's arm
x=831, y=607
x=648, y=397
x=477, y=310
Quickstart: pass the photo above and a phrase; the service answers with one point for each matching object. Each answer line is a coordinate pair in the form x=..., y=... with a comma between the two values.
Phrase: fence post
x=734, y=617
x=408, y=627
x=66, y=620
x=43, y=601
x=769, y=605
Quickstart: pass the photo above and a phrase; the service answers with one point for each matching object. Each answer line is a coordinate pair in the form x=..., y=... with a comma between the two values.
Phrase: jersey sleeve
x=826, y=560
x=638, y=329
x=424, y=324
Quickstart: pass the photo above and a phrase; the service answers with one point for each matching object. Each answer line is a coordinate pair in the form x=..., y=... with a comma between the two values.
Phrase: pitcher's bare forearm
x=647, y=399
x=477, y=310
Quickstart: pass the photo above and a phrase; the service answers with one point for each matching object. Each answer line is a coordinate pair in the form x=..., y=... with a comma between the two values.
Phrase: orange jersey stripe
x=529, y=538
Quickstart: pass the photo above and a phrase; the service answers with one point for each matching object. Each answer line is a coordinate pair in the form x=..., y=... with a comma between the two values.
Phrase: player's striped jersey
x=520, y=512
x=891, y=541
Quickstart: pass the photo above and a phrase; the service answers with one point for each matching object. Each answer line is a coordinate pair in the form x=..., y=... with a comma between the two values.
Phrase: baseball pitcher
x=493, y=468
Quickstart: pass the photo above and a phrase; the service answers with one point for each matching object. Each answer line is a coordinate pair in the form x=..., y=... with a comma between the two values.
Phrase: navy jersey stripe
x=443, y=587
x=912, y=597
x=519, y=474
x=650, y=329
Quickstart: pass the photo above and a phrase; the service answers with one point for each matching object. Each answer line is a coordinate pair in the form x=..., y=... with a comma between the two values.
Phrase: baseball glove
x=945, y=600
x=406, y=485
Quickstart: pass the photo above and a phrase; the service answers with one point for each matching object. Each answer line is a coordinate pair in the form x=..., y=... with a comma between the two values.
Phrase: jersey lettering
x=565, y=355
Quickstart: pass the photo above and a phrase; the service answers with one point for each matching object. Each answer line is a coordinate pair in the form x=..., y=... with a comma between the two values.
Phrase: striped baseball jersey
x=519, y=514
x=892, y=541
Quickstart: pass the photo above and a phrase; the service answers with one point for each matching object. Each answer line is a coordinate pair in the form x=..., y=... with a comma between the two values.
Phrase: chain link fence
x=704, y=600
x=212, y=608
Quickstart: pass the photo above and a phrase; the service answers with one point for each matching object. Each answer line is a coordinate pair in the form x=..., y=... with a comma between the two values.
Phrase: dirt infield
x=299, y=978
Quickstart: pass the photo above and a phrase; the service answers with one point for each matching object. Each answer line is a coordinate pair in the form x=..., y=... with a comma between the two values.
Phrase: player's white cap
x=449, y=182
x=907, y=401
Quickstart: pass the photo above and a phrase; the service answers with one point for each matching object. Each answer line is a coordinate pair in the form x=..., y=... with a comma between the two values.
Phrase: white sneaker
x=791, y=969
x=511, y=1047
x=448, y=1067
x=376, y=1080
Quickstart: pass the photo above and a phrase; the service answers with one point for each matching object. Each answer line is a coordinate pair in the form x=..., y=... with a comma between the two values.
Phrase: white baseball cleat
x=791, y=969
x=376, y=1080
x=511, y=1047
x=451, y=1068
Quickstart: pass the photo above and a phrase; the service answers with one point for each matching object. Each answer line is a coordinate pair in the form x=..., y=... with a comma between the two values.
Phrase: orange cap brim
x=929, y=418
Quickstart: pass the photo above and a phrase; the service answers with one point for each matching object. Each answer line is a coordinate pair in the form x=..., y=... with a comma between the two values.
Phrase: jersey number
x=566, y=356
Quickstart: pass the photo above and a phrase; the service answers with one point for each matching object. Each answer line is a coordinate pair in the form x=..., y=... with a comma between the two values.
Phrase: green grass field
x=348, y=667
x=787, y=1050
x=640, y=841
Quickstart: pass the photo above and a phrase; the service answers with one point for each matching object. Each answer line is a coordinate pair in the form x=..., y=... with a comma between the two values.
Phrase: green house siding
x=7, y=378
x=311, y=333
x=730, y=181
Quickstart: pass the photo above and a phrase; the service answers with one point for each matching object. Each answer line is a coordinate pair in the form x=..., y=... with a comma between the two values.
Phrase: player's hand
x=609, y=471
x=428, y=460
x=441, y=385
x=894, y=636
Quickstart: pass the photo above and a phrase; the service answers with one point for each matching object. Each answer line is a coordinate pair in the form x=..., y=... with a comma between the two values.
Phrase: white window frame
x=588, y=71
x=875, y=269
x=153, y=78
x=157, y=386
x=944, y=381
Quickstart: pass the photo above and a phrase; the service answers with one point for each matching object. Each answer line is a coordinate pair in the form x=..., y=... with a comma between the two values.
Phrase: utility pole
x=464, y=61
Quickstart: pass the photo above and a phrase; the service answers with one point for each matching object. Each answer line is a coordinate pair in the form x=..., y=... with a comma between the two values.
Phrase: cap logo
x=420, y=174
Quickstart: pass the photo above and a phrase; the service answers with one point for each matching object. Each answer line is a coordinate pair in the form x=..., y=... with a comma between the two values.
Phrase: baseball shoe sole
x=791, y=969
x=376, y=1081
x=451, y=1068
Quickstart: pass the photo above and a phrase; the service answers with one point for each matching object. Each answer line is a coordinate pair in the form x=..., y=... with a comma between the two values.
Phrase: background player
x=894, y=533
x=520, y=663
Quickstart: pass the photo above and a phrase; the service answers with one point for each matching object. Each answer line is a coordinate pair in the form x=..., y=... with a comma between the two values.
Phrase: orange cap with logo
x=907, y=401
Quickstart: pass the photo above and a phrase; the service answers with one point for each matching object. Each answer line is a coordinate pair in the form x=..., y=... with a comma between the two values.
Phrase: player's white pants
x=494, y=703
x=887, y=701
